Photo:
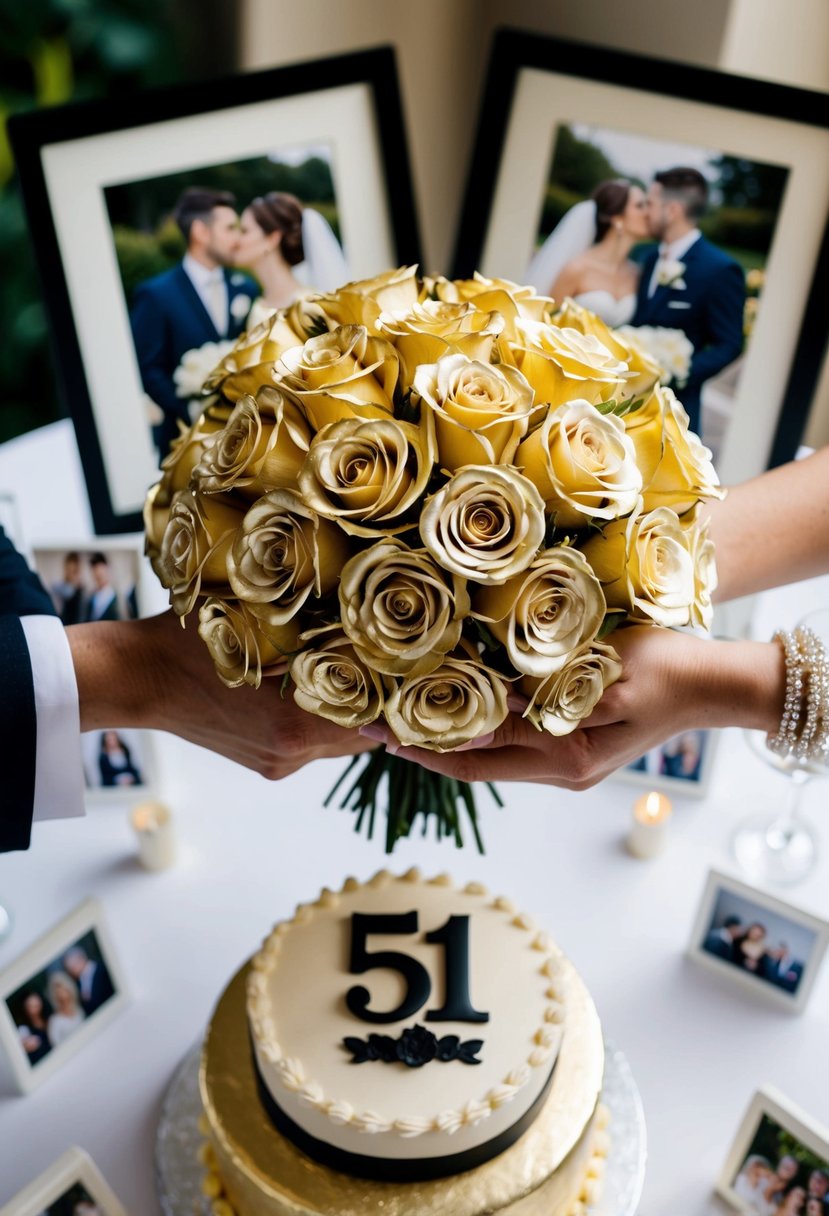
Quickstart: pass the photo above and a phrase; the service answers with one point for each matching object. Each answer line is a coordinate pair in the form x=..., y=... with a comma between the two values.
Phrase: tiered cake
x=406, y=1047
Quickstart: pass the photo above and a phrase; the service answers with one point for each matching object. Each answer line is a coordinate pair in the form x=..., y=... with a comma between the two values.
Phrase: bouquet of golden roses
x=411, y=495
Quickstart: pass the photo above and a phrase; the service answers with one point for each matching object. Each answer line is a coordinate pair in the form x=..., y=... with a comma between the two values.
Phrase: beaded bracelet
x=804, y=727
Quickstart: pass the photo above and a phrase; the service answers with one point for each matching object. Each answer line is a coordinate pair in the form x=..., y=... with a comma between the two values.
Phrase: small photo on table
x=779, y=1162
x=93, y=580
x=681, y=765
x=57, y=995
x=72, y=1186
x=767, y=945
x=117, y=761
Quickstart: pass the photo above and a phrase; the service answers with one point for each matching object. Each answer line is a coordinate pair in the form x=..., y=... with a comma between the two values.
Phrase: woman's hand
x=670, y=682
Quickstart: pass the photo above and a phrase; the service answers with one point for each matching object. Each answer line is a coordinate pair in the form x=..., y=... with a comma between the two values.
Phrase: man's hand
x=155, y=674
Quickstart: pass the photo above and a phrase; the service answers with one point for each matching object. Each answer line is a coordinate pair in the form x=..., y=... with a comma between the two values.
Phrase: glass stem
x=782, y=828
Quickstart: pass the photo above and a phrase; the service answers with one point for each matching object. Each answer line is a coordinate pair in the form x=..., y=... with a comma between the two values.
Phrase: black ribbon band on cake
x=394, y=1169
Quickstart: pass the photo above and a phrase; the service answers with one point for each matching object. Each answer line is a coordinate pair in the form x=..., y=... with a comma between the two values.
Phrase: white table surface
x=250, y=850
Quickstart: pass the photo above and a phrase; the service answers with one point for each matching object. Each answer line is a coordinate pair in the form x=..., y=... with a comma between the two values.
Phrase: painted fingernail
x=373, y=732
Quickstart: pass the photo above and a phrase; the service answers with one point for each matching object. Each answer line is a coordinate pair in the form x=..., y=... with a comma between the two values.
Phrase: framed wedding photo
x=680, y=766
x=114, y=191
x=59, y=994
x=71, y=1186
x=779, y=1161
x=767, y=946
x=751, y=162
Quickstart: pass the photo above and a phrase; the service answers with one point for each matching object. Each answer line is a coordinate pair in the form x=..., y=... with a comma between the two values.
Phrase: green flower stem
x=410, y=791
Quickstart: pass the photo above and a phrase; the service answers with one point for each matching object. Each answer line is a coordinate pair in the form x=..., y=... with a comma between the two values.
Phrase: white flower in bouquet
x=671, y=349
x=197, y=364
x=409, y=497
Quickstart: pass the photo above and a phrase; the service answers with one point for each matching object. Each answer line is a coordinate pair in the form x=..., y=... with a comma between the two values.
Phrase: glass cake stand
x=179, y=1172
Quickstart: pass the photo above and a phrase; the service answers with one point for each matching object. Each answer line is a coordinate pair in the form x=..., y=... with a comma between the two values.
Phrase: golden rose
x=332, y=681
x=646, y=566
x=401, y=611
x=261, y=447
x=341, y=374
x=583, y=463
x=251, y=362
x=367, y=475
x=480, y=411
x=547, y=613
x=510, y=299
x=241, y=649
x=361, y=302
x=186, y=451
x=559, y=703
x=195, y=548
x=486, y=524
x=432, y=329
x=685, y=474
x=565, y=365
x=646, y=371
x=156, y=513
x=644, y=428
x=440, y=710
x=283, y=553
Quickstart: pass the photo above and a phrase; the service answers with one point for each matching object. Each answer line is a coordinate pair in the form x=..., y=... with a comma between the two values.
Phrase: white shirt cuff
x=59, y=778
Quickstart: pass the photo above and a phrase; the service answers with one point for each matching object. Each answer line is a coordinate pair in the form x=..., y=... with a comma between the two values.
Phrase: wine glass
x=782, y=848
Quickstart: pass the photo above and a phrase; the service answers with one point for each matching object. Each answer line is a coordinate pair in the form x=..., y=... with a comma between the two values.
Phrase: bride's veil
x=574, y=233
x=325, y=267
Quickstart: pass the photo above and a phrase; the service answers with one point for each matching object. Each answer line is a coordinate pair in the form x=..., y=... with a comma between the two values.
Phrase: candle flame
x=653, y=804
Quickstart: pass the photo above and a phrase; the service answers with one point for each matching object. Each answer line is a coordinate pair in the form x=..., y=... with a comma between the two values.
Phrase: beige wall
x=442, y=48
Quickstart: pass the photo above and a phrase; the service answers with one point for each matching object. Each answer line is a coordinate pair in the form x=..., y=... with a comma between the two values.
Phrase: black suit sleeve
x=21, y=594
x=151, y=347
x=725, y=301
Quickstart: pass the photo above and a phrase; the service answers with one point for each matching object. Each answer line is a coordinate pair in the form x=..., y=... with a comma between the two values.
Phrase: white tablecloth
x=251, y=850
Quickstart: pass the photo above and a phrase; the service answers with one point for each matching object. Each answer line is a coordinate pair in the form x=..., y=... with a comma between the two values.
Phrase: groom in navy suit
x=689, y=284
x=198, y=301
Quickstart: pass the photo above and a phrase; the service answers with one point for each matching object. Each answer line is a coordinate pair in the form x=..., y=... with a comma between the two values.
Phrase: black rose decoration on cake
x=415, y=1047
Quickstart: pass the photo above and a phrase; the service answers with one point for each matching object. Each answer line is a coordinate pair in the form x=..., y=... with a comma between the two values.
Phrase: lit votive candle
x=649, y=833
x=152, y=823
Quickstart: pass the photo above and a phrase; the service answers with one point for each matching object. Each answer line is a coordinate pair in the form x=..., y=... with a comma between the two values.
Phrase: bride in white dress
x=587, y=255
x=291, y=250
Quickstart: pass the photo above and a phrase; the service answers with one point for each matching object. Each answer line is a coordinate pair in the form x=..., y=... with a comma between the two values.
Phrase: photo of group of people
x=781, y=1177
x=207, y=254
x=91, y=584
x=60, y=997
x=664, y=236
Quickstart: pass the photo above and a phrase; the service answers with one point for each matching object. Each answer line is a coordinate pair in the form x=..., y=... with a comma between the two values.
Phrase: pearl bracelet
x=804, y=727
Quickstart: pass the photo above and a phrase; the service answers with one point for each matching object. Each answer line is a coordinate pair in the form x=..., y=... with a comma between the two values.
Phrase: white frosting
x=299, y=1019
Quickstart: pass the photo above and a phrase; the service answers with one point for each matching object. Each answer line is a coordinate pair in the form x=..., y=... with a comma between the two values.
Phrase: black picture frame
x=367, y=80
x=795, y=361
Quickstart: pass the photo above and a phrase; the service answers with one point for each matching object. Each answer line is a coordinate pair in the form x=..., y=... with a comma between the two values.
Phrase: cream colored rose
x=486, y=524
x=583, y=464
x=341, y=374
x=685, y=474
x=283, y=553
x=481, y=411
x=562, y=701
x=368, y=475
x=704, y=565
x=361, y=302
x=332, y=681
x=434, y=328
x=646, y=566
x=239, y=646
x=261, y=447
x=565, y=365
x=644, y=368
x=402, y=611
x=251, y=362
x=442, y=709
x=195, y=548
x=547, y=613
